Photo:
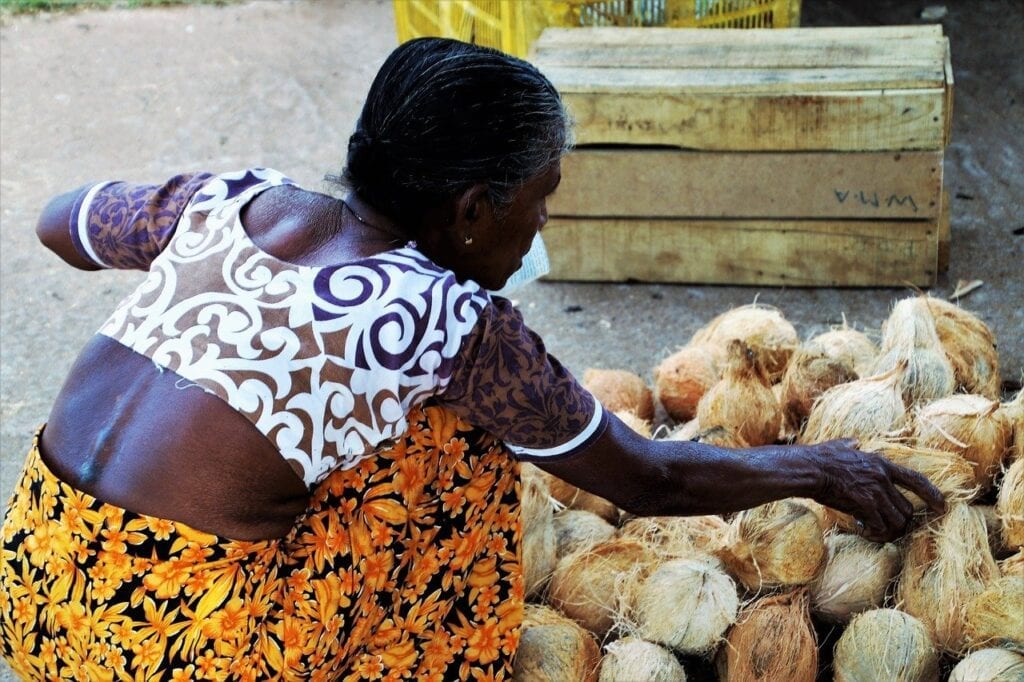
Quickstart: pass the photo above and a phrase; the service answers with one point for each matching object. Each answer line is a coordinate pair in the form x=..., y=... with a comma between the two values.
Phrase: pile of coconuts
x=789, y=590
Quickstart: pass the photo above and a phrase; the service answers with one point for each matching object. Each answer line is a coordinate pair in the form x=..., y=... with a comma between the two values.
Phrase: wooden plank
x=948, y=64
x=945, y=235
x=840, y=121
x=740, y=80
x=793, y=253
x=675, y=183
x=612, y=36
x=863, y=54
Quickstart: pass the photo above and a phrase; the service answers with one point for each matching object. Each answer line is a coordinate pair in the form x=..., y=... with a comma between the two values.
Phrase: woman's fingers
x=919, y=485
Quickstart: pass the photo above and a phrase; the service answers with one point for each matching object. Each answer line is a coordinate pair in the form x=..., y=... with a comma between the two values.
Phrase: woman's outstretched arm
x=54, y=228
x=656, y=478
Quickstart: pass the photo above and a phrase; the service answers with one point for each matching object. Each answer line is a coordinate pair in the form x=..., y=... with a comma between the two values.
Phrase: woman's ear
x=473, y=212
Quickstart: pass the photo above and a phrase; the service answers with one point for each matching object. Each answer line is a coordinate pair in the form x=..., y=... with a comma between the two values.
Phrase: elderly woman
x=293, y=451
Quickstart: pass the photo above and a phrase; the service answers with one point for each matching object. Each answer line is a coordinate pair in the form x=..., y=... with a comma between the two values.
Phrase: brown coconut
x=577, y=530
x=885, y=644
x=640, y=426
x=682, y=378
x=995, y=617
x=685, y=605
x=591, y=586
x=855, y=578
x=851, y=347
x=538, y=531
x=969, y=425
x=1013, y=564
x=1013, y=413
x=774, y=545
x=970, y=346
x=948, y=563
x=553, y=648
x=990, y=665
x=630, y=659
x=862, y=409
x=742, y=401
x=619, y=390
x=810, y=373
x=1010, y=505
x=773, y=639
x=950, y=473
x=760, y=326
x=909, y=337
x=677, y=536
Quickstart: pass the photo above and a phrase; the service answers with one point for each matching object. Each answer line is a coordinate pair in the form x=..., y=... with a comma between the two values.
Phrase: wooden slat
x=647, y=36
x=752, y=81
x=795, y=253
x=945, y=235
x=840, y=121
x=675, y=183
x=861, y=54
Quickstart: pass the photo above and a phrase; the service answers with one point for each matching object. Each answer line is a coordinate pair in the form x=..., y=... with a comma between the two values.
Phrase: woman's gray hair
x=443, y=115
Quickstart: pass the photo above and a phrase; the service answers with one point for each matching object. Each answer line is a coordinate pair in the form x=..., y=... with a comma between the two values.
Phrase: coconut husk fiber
x=553, y=648
x=630, y=659
x=856, y=576
x=774, y=545
x=810, y=373
x=865, y=408
x=720, y=436
x=685, y=605
x=592, y=586
x=1013, y=412
x=909, y=336
x=742, y=401
x=773, y=639
x=760, y=326
x=970, y=346
x=885, y=644
x=949, y=472
x=994, y=528
x=677, y=536
x=849, y=346
x=619, y=390
x=640, y=426
x=538, y=532
x=681, y=379
x=948, y=563
x=990, y=665
x=969, y=425
x=995, y=617
x=1010, y=505
x=577, y=530
x=1013, y=564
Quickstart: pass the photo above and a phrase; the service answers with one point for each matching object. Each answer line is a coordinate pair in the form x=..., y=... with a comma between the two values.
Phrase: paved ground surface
x=141, y=94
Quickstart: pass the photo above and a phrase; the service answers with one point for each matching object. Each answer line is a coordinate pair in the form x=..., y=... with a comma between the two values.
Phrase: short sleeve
x=125, y=226
x=504, y=381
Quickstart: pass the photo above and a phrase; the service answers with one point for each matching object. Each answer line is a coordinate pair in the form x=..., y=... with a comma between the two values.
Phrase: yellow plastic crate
x=513, y=25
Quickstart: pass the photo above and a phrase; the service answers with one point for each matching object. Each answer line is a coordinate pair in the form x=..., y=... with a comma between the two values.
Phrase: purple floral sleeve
x=125, y=226
x=504, y=381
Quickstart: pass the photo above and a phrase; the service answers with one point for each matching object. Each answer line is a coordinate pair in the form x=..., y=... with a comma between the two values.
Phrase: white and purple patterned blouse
x=325, y=361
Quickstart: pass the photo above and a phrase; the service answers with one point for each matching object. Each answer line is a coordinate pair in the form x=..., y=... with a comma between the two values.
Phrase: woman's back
x=125, y=425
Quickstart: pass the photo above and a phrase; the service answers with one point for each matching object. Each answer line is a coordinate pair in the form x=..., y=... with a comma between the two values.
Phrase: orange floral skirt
x=405, y=567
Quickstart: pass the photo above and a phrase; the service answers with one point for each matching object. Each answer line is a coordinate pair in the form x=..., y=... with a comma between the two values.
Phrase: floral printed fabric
x=404, y=567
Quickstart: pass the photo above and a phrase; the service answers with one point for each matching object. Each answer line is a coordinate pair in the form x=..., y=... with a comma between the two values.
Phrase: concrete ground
x=142, y=94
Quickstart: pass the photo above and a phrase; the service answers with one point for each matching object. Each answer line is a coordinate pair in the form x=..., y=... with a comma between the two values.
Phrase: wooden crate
x=877, y=89
x=797, y=156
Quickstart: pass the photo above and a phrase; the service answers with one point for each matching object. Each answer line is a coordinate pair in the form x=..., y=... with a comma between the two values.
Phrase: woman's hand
x=672, y=478
x=864, y=485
